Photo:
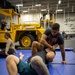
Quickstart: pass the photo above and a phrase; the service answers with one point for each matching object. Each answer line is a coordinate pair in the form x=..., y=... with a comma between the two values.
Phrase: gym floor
x=55, y=68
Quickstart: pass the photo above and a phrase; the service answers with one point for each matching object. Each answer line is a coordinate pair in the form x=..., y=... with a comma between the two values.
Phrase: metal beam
x=4, y=13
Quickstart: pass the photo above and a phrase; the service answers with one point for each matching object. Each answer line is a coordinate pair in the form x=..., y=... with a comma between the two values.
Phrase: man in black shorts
x=50, y=40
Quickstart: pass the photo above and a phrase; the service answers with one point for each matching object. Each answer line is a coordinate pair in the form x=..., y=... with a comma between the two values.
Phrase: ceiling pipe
x=64, y=15
x=72, y=8
x=68, y=9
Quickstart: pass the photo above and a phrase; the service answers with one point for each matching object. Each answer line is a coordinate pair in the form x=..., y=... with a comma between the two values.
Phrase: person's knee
x=8, y=59
x=12, y=58
x=50, y=56
x=35, y=61
x=34, y=43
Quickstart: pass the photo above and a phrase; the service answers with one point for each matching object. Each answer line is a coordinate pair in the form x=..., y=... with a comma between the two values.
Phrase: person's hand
x=52, y=48
x=64, y=62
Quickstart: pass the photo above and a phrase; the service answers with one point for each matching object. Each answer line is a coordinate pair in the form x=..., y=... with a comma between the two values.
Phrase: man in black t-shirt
x=48, y=42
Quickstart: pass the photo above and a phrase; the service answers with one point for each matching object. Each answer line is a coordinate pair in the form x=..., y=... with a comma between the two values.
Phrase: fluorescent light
x=37, y=4
x=19, y=5
x=43, y=9
x=59, y=10
x=25, y=11
x=59, y=2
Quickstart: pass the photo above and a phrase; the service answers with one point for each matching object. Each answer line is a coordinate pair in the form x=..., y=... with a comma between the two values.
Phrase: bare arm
x=63, y=53
x=44, y=42
x=7, y=47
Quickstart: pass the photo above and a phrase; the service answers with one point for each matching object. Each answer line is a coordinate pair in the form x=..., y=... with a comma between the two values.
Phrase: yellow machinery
x=24, y=33
x=47, y=23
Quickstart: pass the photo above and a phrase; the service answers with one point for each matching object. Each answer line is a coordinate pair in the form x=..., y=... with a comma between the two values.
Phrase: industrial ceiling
x=50, y=6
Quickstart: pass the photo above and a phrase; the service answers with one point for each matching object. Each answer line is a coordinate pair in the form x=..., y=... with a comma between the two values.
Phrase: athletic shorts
x=25, y=68
x=42, y=54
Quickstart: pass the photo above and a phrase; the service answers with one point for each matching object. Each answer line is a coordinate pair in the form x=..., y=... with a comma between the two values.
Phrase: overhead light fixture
x=25, y=11
x=19, y=5
x=37, y=4
x=59, y=2
x=59, y=10
x=43, y=9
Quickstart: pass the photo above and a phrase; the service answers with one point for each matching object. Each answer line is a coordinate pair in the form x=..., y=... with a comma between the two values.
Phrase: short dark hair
x=55, y=26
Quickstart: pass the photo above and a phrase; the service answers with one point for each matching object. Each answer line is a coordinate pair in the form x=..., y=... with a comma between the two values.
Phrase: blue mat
x=66, y=49
x=61, y=69
x=55, y=68
x=70, y=57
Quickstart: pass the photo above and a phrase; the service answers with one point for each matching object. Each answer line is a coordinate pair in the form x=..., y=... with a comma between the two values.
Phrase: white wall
x=14, y=21
x=67, y=22
x=30, y=18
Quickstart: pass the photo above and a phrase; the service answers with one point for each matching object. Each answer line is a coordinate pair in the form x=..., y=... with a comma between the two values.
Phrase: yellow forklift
x=24, y=33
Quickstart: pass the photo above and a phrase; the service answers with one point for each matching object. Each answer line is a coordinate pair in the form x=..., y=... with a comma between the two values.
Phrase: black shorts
x=42, y=54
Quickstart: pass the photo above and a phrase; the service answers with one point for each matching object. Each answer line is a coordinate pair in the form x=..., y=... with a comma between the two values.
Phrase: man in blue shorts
x=50, y=39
